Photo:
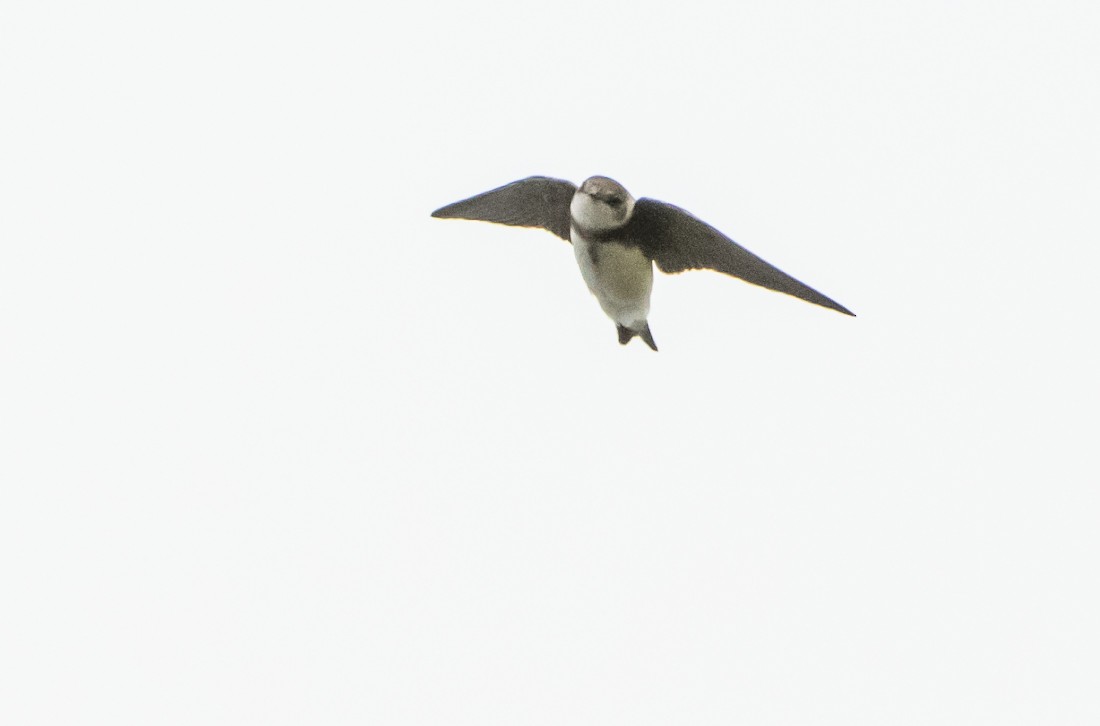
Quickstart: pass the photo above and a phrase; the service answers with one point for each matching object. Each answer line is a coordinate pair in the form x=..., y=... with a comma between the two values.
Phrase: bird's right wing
x=536, y=201
x=678, y=241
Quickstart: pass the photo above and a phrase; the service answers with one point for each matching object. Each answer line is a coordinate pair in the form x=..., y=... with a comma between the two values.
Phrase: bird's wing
x=677, y=241
x=536, y=201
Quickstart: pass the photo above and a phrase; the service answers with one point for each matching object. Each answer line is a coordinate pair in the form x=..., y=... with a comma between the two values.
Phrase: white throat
x=596, y=216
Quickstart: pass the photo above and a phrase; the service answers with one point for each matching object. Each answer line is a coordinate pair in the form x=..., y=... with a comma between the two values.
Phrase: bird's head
x=601, y=205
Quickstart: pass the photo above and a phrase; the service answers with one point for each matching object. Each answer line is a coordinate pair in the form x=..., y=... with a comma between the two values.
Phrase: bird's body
x=616, y=239
x=617, y=273
x=620, y=277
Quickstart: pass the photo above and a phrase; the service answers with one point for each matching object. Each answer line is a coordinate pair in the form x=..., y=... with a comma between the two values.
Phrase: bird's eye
x=614, y=201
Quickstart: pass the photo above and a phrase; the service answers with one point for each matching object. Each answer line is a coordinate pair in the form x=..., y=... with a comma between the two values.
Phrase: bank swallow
x=616, y=239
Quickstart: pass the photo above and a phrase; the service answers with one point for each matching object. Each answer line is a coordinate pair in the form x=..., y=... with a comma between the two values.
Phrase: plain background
x=278, y=448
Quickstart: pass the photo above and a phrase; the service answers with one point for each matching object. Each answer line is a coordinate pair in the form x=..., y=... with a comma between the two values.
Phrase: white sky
x=278, y=448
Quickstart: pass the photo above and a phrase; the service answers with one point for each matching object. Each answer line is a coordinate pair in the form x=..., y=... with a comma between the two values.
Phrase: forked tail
x=627, y=334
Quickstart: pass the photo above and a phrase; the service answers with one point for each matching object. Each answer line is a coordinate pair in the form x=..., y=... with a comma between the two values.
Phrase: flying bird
x=617, y=239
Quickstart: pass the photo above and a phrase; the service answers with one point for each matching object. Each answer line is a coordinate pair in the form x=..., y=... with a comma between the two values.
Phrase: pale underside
x=620, y=277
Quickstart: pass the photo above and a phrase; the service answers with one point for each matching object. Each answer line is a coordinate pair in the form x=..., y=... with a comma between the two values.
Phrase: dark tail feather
x=626, y=335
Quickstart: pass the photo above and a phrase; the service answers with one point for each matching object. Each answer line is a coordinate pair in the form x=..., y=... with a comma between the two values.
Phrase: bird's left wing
x=536, y=201
x=677, y=241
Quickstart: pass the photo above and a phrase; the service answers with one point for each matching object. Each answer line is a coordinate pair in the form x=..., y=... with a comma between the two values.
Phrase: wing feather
x=537, y=201
x=678, y=241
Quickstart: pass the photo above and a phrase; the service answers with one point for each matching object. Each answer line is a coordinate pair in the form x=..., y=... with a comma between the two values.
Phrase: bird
x=618, y=239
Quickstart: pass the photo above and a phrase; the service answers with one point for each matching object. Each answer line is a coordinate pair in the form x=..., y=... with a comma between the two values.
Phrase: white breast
x=620, y=277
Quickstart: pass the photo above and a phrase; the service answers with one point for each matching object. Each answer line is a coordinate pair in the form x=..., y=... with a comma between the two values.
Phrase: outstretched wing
x=536, y=201
x=677, y=241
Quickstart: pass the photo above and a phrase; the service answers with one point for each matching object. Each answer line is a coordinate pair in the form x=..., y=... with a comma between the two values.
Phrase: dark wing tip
x=461, y=209
x=811, y=295
x=840, y=308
